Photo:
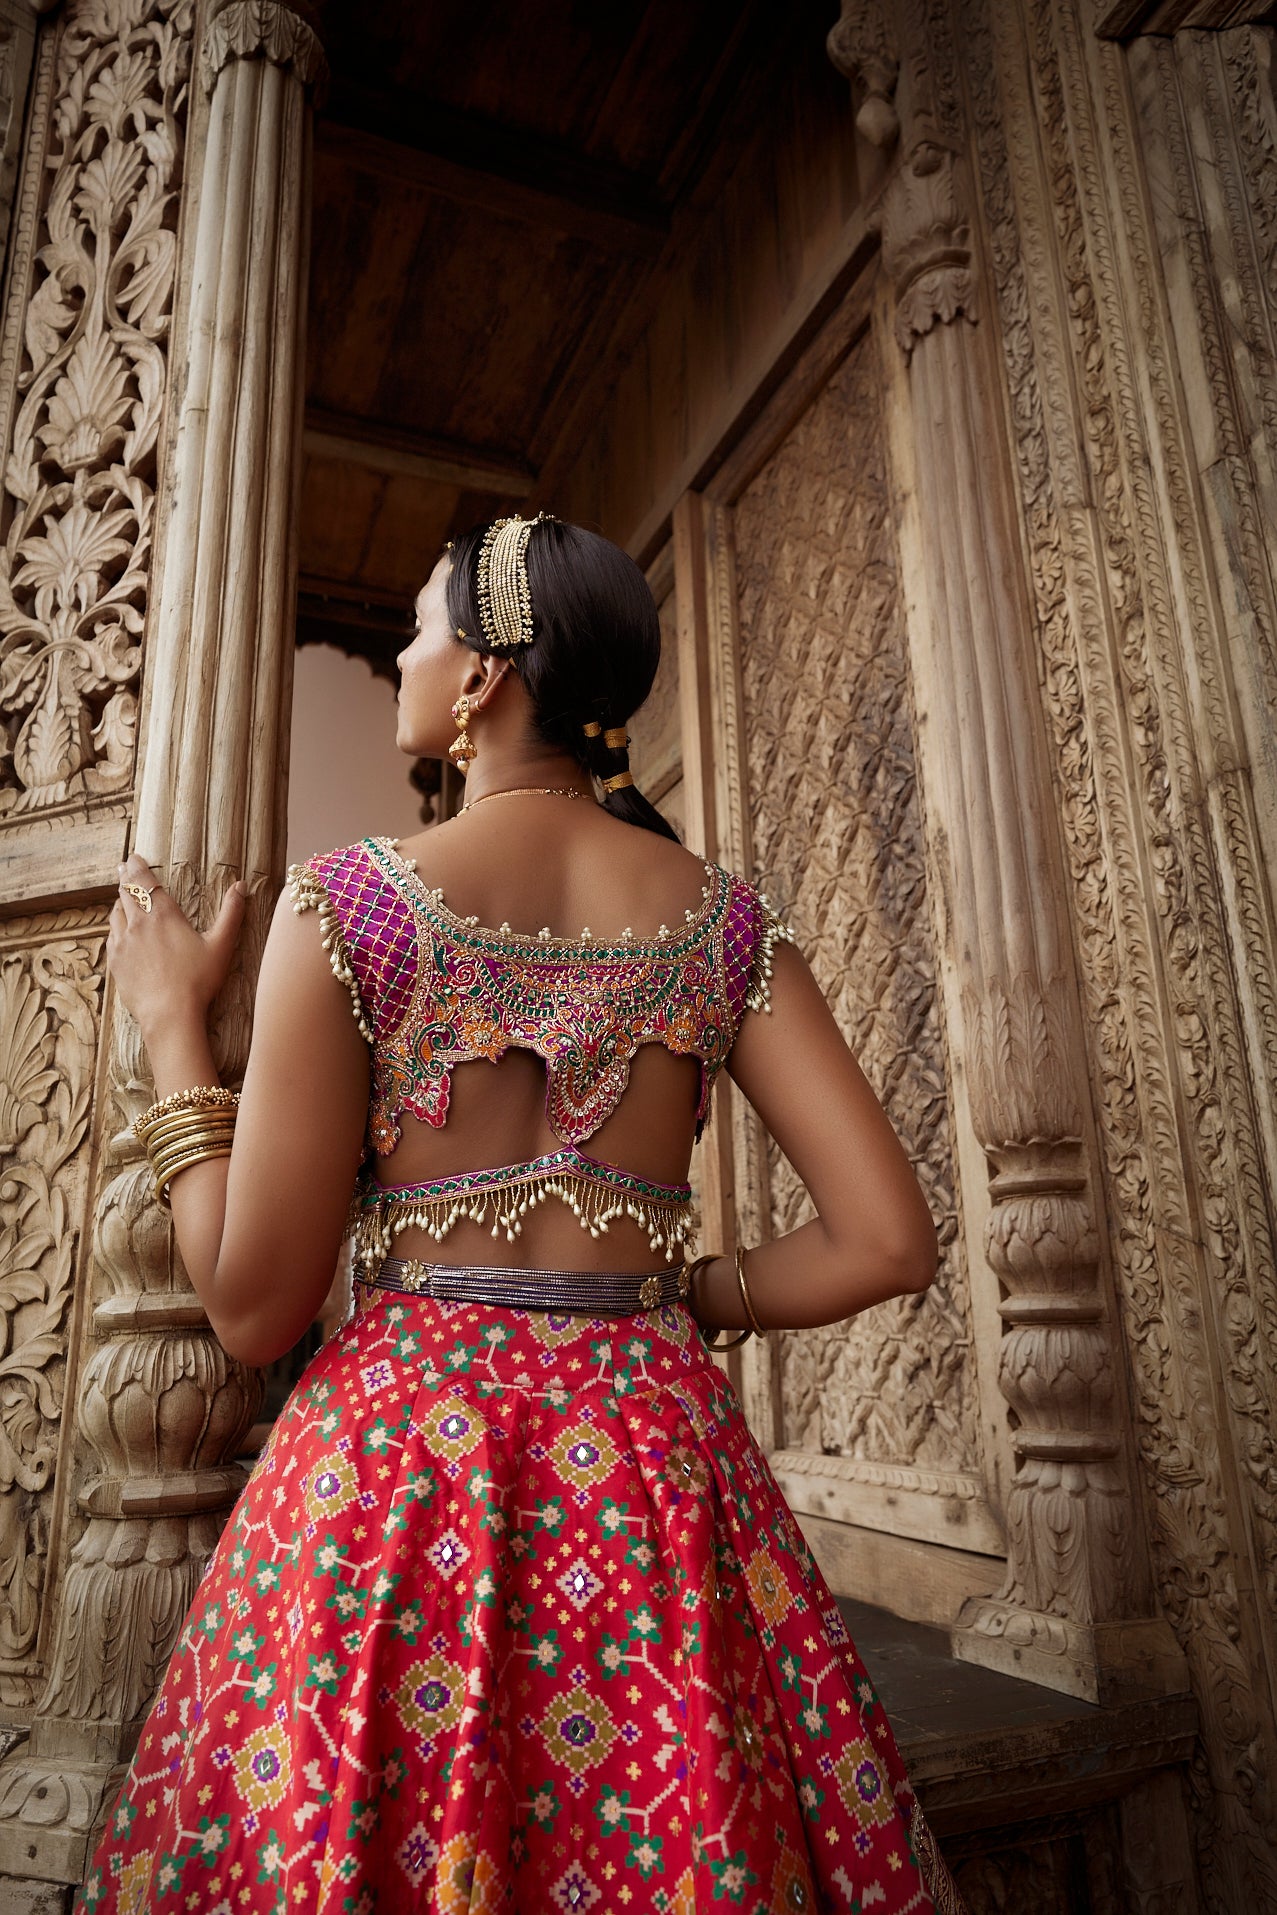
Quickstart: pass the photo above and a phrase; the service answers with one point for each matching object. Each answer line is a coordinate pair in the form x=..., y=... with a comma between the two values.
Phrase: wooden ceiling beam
x=415, y=455
x=562, y=194
x=347, y=602
x=1126, y=18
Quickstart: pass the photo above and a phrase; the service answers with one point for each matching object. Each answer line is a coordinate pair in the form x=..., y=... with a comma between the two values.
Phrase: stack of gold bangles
x=184, y=1129
x=710, y=1338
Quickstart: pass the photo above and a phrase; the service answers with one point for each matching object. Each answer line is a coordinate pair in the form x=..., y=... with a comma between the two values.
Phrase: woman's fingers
x=223, y=934
x=137, y=871
x=140, y=888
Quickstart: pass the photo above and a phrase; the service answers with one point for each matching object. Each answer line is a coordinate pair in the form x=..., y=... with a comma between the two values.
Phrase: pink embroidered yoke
x=431, y=990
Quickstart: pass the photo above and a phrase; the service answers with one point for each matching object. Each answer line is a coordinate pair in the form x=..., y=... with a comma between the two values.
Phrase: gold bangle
x=182, y=1121
x=179, y=1147
x=198, y=1097
x=750, y=1312
x=173, y=1170
x=619, y=781
x=710, y=1338
x=188, y=1147
x=160, y=1149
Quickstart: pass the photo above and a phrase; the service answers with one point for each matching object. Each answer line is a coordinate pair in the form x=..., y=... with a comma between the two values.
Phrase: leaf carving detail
x=81, y=470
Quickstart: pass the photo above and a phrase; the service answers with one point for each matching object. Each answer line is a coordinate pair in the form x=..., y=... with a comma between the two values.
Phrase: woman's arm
x=259, y=1232
x=872, y=1236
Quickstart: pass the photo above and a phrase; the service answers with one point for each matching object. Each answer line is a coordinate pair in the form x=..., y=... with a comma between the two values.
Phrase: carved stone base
x=1107, y=1663
x=56, y=1810
x=33, y=1898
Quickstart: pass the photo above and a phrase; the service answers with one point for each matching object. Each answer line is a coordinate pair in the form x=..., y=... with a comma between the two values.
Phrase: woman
x=511, y=1614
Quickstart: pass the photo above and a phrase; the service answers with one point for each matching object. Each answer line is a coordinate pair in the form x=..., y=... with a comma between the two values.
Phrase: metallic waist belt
x=587, y=1293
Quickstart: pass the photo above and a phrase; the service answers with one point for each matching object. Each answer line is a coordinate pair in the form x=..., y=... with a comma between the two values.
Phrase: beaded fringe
x=309, y=893
x=668, y=1221
x=774, y=931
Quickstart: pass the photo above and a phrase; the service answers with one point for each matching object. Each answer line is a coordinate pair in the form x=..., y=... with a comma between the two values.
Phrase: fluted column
x=1075, y=1611
x=162, y=1409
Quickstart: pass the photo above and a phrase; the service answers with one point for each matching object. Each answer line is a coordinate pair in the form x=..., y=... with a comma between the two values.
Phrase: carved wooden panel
x=17, y=44
x=656, y=744
x=1095, y=393
x=838, y=844
x=1055, y=1867
x=50, y=989
x=83, y=376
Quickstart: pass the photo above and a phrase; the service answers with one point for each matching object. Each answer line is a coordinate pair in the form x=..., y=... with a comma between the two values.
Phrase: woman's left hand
x=162, y=966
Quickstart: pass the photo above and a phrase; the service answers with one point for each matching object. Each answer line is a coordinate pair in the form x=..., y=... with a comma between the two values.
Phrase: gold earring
x=462, y=750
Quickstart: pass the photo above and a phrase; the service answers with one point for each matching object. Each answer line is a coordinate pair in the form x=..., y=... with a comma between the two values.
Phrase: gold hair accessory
x=185, y=1129
x=592, y=728
x=142, y=892
x=618, y=781
x=505, y=598
x=617, y=738
x=463, y=751
x=710, y=1337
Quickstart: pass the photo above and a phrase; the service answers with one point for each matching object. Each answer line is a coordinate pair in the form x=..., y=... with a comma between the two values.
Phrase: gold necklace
x=527, y=791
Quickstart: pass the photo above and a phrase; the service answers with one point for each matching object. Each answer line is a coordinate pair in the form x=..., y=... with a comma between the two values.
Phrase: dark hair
x=596, y=644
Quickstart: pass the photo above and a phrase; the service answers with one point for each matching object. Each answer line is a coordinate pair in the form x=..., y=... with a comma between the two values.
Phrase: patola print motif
x=511, y=1614
x=512, y=1617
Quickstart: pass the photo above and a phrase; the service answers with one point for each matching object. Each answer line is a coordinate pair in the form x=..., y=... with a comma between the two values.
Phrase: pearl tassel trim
x=668, y=1221
x=774, y=931
x=309, y=894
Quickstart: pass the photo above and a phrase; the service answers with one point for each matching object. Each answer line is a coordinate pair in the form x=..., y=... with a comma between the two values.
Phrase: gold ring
x=141, y=892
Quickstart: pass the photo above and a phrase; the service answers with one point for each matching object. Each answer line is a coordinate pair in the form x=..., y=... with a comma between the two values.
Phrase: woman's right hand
x=164, y=969
x=872, y=1237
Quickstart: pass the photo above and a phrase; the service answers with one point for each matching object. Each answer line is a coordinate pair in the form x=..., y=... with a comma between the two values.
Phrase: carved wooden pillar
x=1075, y=1612
x=161, y=1407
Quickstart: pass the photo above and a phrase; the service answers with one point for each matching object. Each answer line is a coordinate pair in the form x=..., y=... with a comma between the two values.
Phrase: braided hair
x=596, y=644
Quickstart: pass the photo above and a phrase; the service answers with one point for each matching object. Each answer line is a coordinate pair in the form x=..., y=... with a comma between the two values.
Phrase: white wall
x=346, y=780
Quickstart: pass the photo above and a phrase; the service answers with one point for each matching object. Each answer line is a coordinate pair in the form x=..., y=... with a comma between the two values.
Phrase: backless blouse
x=430, y=990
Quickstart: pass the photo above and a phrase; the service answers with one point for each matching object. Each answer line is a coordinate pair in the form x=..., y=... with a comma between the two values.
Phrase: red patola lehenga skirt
x=512, y=1616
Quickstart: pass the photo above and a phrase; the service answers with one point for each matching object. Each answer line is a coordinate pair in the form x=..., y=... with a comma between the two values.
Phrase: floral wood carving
x=926, y=244
x=1030, y=112
x=862, y=45
x=838, y=842
x=49, y=1009
x=925, y=239
x=79, y=481
x=262, y=29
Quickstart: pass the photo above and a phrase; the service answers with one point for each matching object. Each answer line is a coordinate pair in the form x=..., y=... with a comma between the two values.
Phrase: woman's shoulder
x=366, y=924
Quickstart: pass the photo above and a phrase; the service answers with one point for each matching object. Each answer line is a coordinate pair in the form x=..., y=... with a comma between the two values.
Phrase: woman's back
x=559, y=979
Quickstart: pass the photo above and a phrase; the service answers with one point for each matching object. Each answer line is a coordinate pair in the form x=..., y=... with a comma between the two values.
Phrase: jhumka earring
x=462, y=750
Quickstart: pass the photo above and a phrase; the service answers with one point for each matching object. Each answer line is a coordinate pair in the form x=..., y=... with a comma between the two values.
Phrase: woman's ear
x=490, y=674
x=473, y=679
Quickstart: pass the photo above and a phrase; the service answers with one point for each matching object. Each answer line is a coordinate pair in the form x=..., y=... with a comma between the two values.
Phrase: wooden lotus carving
x=79, y=482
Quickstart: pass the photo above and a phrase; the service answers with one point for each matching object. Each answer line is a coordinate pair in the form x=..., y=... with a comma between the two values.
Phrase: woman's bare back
x=589, y=873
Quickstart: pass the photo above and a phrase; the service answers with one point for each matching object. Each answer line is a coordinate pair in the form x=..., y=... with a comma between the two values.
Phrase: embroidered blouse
x=430, y=990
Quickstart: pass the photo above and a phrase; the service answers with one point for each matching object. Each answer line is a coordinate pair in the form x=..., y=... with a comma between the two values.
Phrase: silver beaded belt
x=587, y=1293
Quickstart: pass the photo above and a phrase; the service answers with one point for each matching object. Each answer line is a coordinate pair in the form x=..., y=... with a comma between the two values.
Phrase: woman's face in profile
x=431, y=669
